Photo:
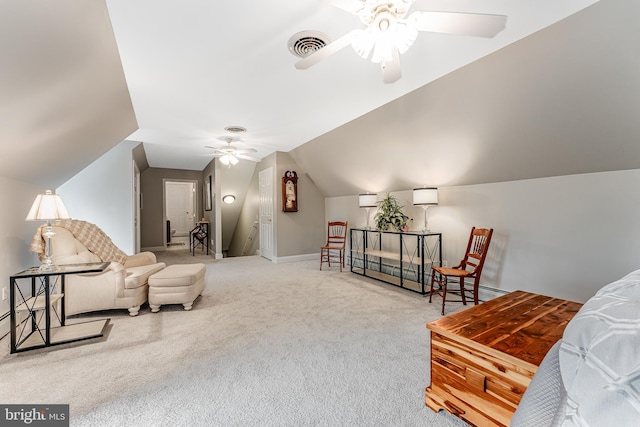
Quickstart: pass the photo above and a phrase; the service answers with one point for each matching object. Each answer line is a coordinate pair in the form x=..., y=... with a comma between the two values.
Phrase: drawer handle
x=475, y=379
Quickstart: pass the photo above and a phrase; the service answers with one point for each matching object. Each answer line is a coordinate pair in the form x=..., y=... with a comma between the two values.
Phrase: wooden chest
x=483, y=358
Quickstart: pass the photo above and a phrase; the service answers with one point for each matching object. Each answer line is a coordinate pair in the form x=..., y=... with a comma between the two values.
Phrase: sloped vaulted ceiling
x=65, y=101
x=562, y=101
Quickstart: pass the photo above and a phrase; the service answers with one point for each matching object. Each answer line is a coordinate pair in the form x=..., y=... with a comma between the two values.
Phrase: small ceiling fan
x=390, y=31
x=229, y=154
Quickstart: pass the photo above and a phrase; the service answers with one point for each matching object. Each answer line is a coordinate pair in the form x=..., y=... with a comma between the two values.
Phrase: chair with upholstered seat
x=333, y=250
x=469, y=268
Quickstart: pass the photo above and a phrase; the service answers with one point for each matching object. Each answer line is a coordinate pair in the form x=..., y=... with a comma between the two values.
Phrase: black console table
x=39, y=300
x=403, y=259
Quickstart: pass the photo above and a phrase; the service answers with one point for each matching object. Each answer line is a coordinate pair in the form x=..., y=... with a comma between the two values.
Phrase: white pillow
x=600, y=358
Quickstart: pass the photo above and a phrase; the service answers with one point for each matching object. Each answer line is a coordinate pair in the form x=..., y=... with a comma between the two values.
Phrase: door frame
x=137, y=206
x=268, y=172
x=164, y=204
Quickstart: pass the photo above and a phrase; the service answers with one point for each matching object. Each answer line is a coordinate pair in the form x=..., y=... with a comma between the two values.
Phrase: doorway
x=180, y=210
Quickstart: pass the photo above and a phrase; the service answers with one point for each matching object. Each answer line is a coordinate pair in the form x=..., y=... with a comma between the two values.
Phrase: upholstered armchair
x=122, y=285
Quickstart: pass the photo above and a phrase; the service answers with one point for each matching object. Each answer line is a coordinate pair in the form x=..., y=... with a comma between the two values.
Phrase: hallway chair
x=333, y=250
x=469, y=268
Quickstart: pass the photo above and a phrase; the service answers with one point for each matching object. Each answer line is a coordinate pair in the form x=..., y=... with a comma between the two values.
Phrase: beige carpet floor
x=184, y=256
x=265, y=345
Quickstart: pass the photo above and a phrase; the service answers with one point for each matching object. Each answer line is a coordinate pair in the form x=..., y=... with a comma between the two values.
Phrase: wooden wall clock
x=290, y=192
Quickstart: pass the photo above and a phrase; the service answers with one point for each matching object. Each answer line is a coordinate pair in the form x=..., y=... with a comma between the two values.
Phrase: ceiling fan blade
x=391, y=69
x=465, y=24
x=245, y=157
x=245, y=151
x=351, y=6
x=327, y=51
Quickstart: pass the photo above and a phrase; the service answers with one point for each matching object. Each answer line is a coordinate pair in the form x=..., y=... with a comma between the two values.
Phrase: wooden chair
x=333, y=250
x=469, y=268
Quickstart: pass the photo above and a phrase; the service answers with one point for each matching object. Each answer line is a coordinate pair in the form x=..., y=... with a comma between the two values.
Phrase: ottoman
x=176, y=284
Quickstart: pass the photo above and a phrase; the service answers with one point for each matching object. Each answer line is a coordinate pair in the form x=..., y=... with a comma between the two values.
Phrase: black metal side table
x=39, y=302
x=200, y=236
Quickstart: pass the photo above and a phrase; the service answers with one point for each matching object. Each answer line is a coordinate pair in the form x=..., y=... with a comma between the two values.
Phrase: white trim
x=219, y=255
x=153, y=249
x=295, y=258
x=165, y=181
x=486, y=293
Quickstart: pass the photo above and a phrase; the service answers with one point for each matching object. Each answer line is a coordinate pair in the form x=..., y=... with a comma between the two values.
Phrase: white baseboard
x=485, y=293
x=295, y=258
x=153, y=249
x=219, y=255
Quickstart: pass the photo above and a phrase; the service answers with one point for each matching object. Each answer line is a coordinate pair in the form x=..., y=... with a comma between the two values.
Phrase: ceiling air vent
x=304, y=43
x=235, y=129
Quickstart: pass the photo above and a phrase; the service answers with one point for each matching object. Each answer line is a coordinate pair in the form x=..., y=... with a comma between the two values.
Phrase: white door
x=180, y=209
x=265, y=179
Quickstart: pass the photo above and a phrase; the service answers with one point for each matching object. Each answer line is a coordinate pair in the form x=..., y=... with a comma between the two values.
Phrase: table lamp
x=425, y=197
x=367, y=201
x=47, y=207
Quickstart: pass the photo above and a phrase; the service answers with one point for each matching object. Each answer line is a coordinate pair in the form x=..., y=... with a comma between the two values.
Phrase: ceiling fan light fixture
x=390, y=31
x=229, y=160
x=399, y=35
x=363, y=43
x=382, y=52
x=404, y=36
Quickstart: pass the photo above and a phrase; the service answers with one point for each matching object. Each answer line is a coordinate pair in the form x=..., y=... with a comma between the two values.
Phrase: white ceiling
x=197, y=66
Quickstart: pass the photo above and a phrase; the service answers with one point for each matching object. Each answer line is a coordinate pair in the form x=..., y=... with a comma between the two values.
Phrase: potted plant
x=390, y=214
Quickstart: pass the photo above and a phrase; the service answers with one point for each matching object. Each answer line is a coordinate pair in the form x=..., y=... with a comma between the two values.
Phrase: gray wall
x=302, y=232
x=248, y=214
x=151, y=216
x=563, y=101
x=65, y=101
x=102, y=193
x=15, y=235
x=211, y=216
x=562, y=236
x=298, y=235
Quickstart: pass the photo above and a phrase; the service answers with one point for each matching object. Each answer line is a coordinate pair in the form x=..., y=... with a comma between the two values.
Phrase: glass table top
x=58, y=270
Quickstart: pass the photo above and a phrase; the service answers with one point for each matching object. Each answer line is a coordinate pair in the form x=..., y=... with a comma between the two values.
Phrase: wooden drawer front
x=452, y=394
x=495, y=385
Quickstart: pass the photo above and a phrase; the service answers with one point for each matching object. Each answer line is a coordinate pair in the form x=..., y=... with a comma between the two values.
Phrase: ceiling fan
x=230, y=155
x=390, y=31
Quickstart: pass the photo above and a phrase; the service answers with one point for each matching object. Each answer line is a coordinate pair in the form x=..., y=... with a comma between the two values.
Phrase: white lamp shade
x=367, y=200
x=425, y=196
x=47, y=207
x=229, y=198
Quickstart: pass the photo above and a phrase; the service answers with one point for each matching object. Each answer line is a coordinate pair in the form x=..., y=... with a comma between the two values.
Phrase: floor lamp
x=425, y=197
x=367, y=201
x=47, y=207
